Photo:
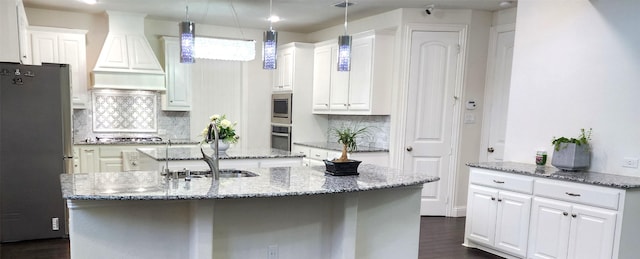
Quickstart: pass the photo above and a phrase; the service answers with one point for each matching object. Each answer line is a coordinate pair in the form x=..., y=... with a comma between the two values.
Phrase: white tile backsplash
x=378, y=133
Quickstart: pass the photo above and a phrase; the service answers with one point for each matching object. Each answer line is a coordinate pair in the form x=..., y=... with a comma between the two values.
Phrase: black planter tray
x=342, y=168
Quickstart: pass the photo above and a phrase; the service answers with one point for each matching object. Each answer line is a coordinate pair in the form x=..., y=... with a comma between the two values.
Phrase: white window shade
x=225, y=49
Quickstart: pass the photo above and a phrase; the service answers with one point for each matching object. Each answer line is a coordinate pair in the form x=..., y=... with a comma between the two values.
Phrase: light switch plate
x=630, y=162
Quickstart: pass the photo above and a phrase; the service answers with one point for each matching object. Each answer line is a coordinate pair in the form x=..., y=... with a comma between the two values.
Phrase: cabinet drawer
x=115, y=152
x=578, y=193
x=502, y=181
x=300, y=150
x=317, y=154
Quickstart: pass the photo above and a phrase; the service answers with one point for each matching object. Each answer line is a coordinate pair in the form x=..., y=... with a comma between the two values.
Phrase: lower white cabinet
x=499, y=219
x=564, y=230
x=314, y=156
x=519, y=216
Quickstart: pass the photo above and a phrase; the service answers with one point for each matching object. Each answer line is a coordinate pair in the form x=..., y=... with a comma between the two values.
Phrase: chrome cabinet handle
x=490, y=150
x=573, y=194
x=496, y=181
x=499, y=200
x=409, y=148
x=573, y=215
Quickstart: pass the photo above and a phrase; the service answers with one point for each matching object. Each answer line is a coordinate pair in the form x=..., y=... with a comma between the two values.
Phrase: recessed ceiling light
x=274, y=18
x=90, y=1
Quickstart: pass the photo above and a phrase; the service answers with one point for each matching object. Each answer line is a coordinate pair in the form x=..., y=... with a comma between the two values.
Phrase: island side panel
x=128, y=229
x=388, y=223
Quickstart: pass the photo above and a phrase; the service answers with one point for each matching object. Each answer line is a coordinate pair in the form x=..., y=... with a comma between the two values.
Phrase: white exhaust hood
x=126, y=60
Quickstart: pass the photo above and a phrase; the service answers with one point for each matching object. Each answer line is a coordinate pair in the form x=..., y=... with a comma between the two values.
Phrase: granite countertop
x=193, y=153
x=163, y=142
x=609, y=180
x=270, y=182
x=338, y=147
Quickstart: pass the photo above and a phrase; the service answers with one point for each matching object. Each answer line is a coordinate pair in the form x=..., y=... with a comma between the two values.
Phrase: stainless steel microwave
x=281, y=108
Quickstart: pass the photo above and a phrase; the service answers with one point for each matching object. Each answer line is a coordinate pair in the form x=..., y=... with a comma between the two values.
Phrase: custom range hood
x=126, y=60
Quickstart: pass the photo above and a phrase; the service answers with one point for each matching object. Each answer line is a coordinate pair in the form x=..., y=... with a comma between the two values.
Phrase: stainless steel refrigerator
x=35, y=148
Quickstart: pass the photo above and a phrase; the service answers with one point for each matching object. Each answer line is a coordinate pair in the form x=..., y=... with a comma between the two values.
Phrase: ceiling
x=301, y=16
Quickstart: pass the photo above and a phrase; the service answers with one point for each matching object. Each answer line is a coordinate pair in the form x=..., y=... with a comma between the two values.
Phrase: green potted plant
x=347, y=136
x=572, y=154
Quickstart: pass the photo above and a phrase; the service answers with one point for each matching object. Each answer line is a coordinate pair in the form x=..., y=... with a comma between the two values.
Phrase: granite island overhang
x=298, y=211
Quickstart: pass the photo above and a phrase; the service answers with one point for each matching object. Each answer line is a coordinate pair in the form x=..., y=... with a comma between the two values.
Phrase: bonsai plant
x=347, y=136
x=571, y=154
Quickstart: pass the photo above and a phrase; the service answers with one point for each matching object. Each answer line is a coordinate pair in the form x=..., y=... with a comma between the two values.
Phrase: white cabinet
x=283, y=75
x=314, y=156
x=178, y=78
x=89, y=159
x=365, y=90
x=496, y=217
x=66, y=46
x=565, y=220
x=13, y=25
x=562, y=227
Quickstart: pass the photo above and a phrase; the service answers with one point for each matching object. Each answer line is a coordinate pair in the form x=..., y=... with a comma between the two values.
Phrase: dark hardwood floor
x=440, y=237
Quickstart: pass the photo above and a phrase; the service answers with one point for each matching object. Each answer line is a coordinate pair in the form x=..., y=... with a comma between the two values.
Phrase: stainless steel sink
x=232, y=173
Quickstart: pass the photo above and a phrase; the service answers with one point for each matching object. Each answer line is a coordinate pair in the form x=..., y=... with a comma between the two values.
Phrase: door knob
x=409, y=148
x=490, y=150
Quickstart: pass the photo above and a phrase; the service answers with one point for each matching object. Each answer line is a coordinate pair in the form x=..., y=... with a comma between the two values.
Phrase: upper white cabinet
x=366, y=89
x=66, y=46
x=283, y=75
x=13, y=25
x=178, y=78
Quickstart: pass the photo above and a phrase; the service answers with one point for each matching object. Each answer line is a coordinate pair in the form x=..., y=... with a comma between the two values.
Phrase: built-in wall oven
x=281, y=137
x=281, y=108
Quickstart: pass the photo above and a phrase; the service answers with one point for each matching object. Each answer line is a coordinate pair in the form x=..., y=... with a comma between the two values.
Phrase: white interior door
x=497, y=92
x=430, y=107
x=217, y=89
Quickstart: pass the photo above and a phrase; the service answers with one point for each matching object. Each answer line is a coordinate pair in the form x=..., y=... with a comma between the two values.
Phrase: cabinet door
x=592, y=232
x=360, y=75
x=178, y=78
x=321, y=78
x=140, y=55
x=512, y=223
x=89, y=160
x=482, y=208
x=111, y=165
x=23, y=35
x=283, y=75
x=44, y=47
x=72, y=51
x=339, y=95
x=550, y=225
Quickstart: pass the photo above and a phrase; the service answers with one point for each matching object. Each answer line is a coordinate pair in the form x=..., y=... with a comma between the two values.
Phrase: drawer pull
x=573, y=194
x=499, y=200
x=493, y=199
x=565, y=213
x=573, y=215
x=496, y=181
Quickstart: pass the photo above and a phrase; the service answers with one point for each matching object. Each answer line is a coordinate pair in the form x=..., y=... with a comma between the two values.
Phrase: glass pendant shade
x=344, y=53
x=187, y=42
x=269, y=49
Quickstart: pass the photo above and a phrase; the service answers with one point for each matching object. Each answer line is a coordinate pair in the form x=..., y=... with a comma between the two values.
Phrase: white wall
x=576, y=65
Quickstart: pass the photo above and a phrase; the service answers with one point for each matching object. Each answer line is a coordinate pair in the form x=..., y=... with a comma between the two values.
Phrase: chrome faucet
x=213, y=161
x=166, y=161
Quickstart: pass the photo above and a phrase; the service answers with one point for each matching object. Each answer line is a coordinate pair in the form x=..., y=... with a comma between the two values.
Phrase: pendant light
x=344, y=45
x=187, y=39
x=270, y=44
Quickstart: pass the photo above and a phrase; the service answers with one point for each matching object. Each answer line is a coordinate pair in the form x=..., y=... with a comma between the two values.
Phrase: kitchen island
x=284, y=212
